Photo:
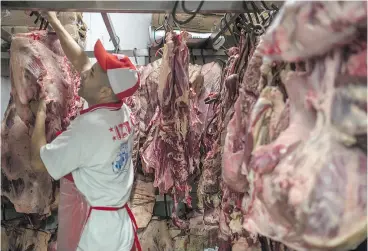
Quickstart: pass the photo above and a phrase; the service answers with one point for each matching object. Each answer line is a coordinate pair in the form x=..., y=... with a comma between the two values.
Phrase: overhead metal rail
x=131, y=6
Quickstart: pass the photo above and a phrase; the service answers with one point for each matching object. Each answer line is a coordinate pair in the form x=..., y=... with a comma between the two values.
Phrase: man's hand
x=51, y=16
x=71, y=48
x=38, y=107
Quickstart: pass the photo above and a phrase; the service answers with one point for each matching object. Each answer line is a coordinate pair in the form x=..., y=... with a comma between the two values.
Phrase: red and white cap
x=122, y=74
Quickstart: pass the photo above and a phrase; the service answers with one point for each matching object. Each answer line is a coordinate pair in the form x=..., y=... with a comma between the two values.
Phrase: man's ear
x=105, y=92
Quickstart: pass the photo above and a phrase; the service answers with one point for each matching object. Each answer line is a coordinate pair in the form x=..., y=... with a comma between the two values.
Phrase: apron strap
x=137, y=244
x=136, y=239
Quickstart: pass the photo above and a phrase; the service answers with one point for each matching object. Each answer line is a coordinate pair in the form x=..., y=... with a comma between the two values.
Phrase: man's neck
x=104, y=101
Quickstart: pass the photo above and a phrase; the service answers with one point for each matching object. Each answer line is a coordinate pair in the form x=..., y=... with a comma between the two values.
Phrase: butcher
x=92, y=158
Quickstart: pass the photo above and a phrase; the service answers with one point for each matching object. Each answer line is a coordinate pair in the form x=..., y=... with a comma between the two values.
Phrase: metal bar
x=6, y=36
x=130, y=6
x=144, y=53
x=110, y=28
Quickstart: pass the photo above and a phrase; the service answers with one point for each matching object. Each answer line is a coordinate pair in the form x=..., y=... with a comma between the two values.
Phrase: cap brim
x=101, y=55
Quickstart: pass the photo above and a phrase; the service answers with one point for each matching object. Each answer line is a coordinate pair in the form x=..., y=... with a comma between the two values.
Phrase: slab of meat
x=238, y=143
x=142, y=201
x=299, y=24
x=167, y=153
x=19, y=238
x=221, y=205
x=308, y=187
x=202, y=79
x=38, y=69
x=156, y=237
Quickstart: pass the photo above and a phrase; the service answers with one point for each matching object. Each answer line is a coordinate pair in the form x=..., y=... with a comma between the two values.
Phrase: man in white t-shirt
x=92, y=158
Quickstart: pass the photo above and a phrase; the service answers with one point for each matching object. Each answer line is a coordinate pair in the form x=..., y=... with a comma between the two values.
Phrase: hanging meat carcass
x=221, y=202
x=307, y=187
x=299, y=25
x=167, y=149
x=38, y=69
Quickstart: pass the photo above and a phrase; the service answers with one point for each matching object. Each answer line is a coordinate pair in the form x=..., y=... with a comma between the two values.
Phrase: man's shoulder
x=102, y=118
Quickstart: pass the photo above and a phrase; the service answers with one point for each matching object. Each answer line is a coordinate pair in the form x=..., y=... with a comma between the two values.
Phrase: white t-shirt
x=96, y=148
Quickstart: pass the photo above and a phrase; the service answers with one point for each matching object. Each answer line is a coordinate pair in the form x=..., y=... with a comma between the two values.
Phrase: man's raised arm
x=71, y=48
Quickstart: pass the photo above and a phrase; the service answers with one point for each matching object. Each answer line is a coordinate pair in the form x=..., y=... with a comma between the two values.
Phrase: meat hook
x=154, y=35
x=149, y=55
x=44, y=22
x=256, y=11
x=203, y=59
x=117, y=47
x=135, y=56
x=225, y=25
x=265, y=5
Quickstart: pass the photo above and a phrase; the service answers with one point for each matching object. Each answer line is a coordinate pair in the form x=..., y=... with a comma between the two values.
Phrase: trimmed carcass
x=38, y=69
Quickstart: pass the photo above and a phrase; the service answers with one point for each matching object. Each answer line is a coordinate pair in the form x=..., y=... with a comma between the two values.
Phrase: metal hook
x=265, y=5
x=42, y=21
x=256, y=11
x=154, y=35
x=38, y=17
x=117, y=47
x=149, y=55
x=166, y=24
x=135, y=56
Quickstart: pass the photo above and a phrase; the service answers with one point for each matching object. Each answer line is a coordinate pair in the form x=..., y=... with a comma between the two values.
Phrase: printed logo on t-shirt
x=120, y=131
x=119, y=164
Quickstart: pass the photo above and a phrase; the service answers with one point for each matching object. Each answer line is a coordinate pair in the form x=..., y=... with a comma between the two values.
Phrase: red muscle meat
x=293, y=34
x=38, y=69
x=307, y=186
x=167, y=150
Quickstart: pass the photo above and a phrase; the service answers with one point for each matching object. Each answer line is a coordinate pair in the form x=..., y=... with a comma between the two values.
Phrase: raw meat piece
x=356, y=64
x=156, y=237
x=29, y=192
x=19, y=238
x=349, y=109
x=242, y=244
x=293, y=199
x=38, y=69
x=299, y=24
x=228, y=213
x=145, y=101
x=238, y=144
x=167, y=152
x=302, y=121
x=142, y=201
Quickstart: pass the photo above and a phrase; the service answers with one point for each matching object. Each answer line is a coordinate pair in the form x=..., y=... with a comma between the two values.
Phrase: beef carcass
x=38, y=69
x=166, y=152
x=294, y=32
x=308, y=187
x=238, y=143
x=202, y=79
x=294, y=199
x=222, y=206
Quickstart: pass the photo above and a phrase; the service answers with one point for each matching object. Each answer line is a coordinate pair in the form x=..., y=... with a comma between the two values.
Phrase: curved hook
x=135, y=56
x=154, y=35
x=203, y=59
